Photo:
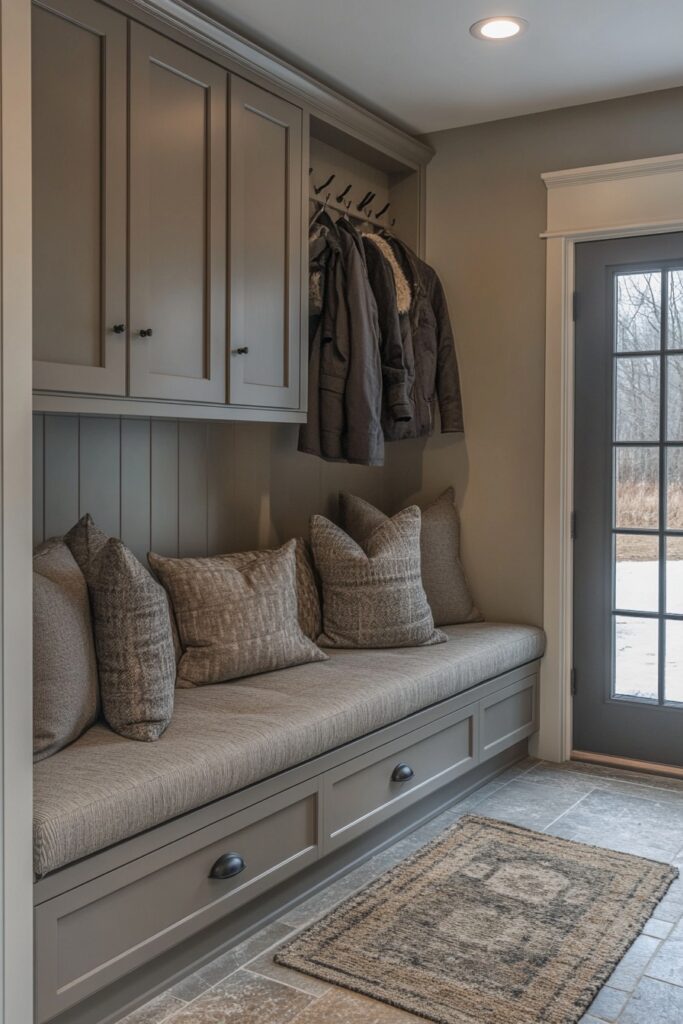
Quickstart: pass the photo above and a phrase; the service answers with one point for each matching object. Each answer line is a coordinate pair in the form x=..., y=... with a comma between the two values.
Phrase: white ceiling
x=415, y=61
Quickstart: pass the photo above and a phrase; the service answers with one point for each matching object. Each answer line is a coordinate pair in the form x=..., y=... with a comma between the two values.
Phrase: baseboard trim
x=628, y=763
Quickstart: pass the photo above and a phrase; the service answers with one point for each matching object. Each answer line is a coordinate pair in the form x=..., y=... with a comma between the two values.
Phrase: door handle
x=118, y=328
x=146, y=332
x=240, y=351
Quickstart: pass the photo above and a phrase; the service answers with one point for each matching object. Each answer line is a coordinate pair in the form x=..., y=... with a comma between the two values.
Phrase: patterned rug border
x=281, y=956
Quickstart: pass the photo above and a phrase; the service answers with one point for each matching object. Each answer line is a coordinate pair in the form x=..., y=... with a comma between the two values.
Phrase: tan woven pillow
x=307, y=595
x=372, y=594
x=443, y=576
x=235, y=619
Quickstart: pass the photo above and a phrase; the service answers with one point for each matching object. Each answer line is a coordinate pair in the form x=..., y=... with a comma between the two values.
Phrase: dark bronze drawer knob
x=119, y=328
x=146, y=332
x=242, y=351
x=227, y=866
x=402, y=773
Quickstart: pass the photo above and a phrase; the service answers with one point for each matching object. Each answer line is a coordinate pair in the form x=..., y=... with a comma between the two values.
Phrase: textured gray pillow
x=372, y=593
x=307, y=596
x=85, y=541
x=133, y=642
x=65, y=693
x=443, y=576
x=235, y=620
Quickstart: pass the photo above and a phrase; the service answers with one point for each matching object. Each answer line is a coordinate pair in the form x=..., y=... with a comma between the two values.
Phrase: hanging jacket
x=345, y=375
x=433, y=350
x=392, y=295
x=324, y=253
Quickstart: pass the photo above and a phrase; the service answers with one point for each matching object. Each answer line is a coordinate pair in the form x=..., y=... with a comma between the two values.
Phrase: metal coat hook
x=342, y=195
x=329, y=181
x=380, y=213
x=367, y=198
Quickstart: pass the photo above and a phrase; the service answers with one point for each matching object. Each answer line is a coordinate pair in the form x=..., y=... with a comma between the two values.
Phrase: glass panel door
x=628, y=571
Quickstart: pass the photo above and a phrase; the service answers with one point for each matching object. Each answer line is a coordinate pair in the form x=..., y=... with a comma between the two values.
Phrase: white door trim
x=636, y=197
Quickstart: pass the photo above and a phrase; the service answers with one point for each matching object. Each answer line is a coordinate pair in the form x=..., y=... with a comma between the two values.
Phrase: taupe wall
x=486, y=208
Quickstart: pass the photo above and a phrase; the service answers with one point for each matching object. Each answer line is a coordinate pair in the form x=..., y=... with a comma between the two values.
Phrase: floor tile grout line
x=573, y=807
x=651, y=977
x=287, y=984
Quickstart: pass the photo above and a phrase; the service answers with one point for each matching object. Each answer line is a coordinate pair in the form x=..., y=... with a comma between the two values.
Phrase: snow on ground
x=637, y=639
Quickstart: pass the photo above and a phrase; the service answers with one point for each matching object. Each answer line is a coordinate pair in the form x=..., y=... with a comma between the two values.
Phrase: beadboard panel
x=193, y=488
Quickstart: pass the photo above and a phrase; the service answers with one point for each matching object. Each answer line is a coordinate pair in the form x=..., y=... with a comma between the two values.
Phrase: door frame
x=619, y=200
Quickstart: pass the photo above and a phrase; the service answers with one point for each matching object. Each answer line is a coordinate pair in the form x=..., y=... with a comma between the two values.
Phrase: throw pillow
x=133, y=642
x=85, y=541
x=235, y=620
x=443, y=576
x=372, y=593
x=65, y=692
x=307, y=595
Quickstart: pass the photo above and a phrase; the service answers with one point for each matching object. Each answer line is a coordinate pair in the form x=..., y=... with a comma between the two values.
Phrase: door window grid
x=647, y=476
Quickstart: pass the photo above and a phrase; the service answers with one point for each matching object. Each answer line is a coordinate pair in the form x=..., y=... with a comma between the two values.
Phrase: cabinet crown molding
x=318, y=98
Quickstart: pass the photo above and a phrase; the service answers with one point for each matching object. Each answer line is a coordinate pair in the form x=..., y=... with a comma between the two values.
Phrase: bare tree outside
x=641, y=369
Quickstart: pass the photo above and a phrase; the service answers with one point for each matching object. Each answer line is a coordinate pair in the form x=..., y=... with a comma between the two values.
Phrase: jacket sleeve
x=447, y=374
x=394, y=374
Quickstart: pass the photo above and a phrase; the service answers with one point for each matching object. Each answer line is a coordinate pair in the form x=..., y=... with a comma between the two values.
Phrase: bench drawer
x=94, y=934
x=370, y=788
x=508, y=716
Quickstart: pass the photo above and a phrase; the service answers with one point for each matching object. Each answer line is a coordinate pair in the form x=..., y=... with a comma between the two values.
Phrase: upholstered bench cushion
x=103, y=788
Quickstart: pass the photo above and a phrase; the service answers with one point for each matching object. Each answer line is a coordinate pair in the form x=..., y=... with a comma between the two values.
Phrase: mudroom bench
x=151, y=857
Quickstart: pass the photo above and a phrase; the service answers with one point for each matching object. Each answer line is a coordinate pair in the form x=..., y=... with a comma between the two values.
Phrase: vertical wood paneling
x=100, y=472
x=192, y=490
x=135, y=487
x=164, y=487
x=221, y=487
x=61, y=474
x=184, y=488
x=38, y=468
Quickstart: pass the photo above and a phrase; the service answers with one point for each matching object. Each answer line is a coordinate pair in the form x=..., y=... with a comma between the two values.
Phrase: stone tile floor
x=636, y=813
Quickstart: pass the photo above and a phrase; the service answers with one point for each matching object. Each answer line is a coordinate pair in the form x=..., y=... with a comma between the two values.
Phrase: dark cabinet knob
x=402, y=773
x=241, y=351
x=227, y=866
x=119, y=328
x=146, y=332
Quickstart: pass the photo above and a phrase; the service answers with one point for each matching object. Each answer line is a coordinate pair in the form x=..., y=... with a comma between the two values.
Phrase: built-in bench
x=139, y=847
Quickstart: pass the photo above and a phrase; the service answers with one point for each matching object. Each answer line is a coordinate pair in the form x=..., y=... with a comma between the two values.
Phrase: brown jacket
x=432, y=350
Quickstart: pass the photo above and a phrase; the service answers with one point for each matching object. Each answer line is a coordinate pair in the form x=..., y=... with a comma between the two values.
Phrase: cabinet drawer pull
x=227, y=866
x=241, y=351
x=119, y=328
x=146, y=332
x=402, y=773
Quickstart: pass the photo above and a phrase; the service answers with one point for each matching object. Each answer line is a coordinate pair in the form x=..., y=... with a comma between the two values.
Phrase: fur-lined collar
x=404, y=295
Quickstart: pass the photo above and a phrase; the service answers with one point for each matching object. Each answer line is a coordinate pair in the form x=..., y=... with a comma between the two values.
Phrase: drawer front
x=508, y=716
x=367, y=790
x=105, y=928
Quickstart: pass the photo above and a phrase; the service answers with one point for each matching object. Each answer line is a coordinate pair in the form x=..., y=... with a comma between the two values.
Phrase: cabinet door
x=79, y=197
x=265, y=248
x=178, y=109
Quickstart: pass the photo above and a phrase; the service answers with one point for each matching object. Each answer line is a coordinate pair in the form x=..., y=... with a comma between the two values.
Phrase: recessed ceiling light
x=493, y=29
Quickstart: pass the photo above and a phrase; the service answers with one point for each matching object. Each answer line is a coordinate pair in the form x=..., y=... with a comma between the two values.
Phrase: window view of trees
x=641, y=370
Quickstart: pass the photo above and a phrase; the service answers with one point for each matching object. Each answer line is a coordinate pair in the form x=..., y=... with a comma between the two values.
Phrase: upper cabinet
x=265, y=248
x=178, y=196
x=79, y=211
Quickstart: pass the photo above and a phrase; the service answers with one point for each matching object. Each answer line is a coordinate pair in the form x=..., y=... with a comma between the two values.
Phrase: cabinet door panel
x=79, y=212
x=178, y=204
x=265, y=246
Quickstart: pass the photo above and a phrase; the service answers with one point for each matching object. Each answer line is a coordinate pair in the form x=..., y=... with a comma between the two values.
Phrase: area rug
x=488, y=924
